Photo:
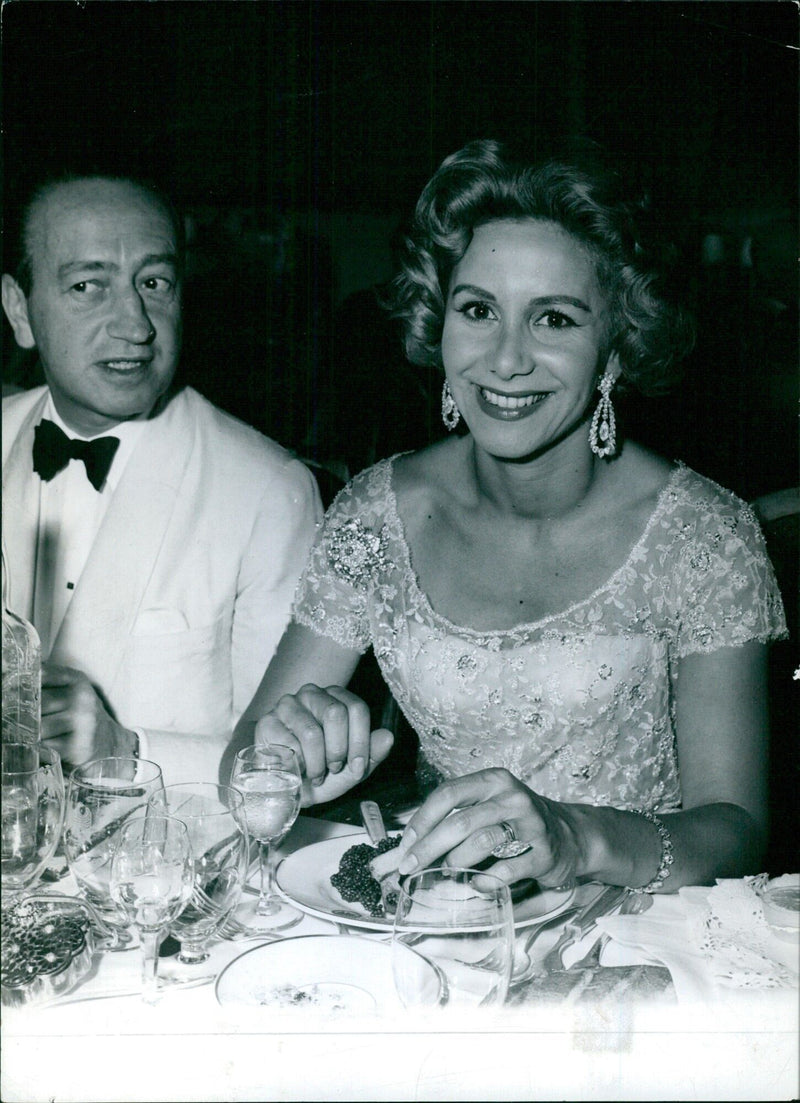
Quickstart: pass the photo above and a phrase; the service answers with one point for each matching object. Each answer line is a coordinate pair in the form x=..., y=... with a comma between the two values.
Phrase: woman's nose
x=130, y=320
x=512, y=354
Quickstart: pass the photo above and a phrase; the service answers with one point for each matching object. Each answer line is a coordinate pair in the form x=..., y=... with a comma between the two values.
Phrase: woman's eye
x=554, y=319
x=477, y=311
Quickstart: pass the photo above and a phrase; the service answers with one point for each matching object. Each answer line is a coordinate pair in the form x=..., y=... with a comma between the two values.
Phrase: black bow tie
x=53, y=449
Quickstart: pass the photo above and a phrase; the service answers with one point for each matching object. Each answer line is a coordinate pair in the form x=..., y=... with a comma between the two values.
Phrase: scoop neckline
x=528, y=627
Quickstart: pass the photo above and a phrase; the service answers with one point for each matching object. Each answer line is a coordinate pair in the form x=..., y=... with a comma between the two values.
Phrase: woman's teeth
x=512, y=402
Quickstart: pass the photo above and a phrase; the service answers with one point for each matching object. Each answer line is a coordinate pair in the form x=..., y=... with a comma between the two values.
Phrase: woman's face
x=524, y=331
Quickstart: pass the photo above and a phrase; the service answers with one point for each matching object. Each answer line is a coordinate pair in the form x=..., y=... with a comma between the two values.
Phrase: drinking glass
x=220, y=853
x=102, y=795
x=32, y=813
x=465, y=933
x=269, y=779
x=151, y=881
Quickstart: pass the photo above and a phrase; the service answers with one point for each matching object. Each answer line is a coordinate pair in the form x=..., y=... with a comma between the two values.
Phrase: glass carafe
x=22, y=676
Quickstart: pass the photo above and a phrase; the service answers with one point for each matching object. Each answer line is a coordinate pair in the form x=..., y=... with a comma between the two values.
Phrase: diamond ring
x=510, y=847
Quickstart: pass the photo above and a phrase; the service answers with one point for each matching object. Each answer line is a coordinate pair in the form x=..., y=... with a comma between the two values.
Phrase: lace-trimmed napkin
x=711, y=940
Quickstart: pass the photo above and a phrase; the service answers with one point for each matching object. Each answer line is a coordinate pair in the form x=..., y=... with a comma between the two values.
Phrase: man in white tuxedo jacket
x=161, y=593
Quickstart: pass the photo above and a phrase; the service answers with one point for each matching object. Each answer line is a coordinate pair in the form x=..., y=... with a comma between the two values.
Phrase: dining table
x=635, y=1010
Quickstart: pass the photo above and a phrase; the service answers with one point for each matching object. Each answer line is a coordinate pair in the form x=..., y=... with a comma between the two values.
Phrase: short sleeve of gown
x=723, y=586
x=334, y=591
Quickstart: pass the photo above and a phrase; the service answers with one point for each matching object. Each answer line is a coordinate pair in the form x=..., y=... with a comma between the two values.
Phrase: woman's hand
x=330, y=730
x=459, y=825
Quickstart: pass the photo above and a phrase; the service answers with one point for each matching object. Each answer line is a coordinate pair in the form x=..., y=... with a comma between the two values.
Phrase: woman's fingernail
x=408, y=865
x=317, y=781
x=335, y=767
x=358, y=766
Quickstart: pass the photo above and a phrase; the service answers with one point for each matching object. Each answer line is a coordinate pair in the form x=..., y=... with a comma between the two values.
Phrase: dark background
x=298, y=135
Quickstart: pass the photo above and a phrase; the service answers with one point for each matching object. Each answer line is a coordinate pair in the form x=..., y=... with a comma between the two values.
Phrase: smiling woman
x=574, y=626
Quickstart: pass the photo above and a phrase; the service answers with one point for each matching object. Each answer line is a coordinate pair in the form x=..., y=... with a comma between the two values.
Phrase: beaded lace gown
x=578, y=705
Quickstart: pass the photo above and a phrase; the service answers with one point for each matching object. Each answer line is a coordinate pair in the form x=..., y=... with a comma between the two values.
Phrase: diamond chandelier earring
x=450, y=412
x=603, y=430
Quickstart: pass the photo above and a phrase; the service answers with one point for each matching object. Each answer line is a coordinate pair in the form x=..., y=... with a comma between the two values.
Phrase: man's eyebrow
x=159, y=258
x=85, y=266
x=540, y=300
x=108, y=266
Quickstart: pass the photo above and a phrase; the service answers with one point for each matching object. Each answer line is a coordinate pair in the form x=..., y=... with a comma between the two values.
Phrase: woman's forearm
x=302, y=657
x=625, y=848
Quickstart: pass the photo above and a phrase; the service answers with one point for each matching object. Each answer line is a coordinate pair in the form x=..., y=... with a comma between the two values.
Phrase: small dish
x=780, y=900
x=324, y=975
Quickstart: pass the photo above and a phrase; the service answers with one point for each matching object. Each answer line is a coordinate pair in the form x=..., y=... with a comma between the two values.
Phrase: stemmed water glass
x=220, y=853
x=269, y=779
x=32, y=813
x=101, y=796
x=464, y=932
x=151, y=881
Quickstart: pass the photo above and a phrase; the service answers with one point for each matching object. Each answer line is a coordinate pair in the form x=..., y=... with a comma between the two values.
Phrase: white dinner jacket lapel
x=107, y=598
x=21, y=507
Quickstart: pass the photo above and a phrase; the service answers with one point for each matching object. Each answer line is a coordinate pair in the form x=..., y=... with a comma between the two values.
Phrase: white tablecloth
x=189, y=1048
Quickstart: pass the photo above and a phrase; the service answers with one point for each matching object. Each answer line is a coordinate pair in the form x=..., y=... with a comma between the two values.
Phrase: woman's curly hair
x=481, y=183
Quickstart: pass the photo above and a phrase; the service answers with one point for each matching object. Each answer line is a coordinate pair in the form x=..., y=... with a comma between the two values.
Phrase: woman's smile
x=509, y=407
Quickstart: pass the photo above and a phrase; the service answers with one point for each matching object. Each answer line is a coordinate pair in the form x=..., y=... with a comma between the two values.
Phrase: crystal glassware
x=220, y=854
x=22, y=676
x=101, y=796
x=269, y=779
x=32, y=813
x=151, y=882
x=464, y=932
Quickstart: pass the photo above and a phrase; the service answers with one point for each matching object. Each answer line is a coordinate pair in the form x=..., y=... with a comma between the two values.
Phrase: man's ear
x=15, y=304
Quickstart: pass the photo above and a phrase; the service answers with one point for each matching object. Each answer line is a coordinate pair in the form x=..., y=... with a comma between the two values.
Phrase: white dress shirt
x=70, y=514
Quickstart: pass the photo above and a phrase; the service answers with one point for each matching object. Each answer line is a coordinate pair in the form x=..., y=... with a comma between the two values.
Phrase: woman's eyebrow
x=473, y=289
x=563, y=300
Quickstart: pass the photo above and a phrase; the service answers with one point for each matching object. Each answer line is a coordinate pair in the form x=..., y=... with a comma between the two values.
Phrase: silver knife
x=373, y=821
x=602, y=904
x=375, y=828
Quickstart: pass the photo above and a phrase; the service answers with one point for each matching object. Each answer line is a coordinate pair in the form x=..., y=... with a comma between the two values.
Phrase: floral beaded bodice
x=578, y=705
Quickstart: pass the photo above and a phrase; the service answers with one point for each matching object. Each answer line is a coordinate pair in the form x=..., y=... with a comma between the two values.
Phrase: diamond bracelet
x=667, y=856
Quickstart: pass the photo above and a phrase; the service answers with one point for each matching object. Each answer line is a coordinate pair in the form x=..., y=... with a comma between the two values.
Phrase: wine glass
x=220, y=850
x=151, y=881
x=269, y=779
x=101, y=796
x=464, y=932
x=32, y=813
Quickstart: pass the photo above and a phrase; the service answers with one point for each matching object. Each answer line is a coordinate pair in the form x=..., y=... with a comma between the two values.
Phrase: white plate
x=304, y=878
x=321, y=974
